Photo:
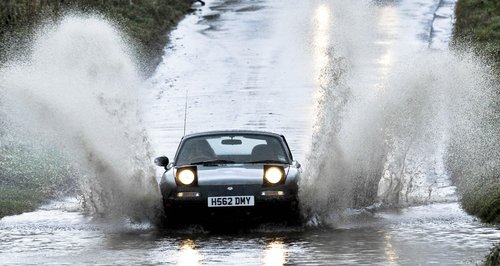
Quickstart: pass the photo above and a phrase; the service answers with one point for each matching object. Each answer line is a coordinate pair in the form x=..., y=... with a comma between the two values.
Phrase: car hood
x=231, y=175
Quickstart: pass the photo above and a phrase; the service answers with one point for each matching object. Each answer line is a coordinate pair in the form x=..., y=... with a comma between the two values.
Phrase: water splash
x=383, y=130
x=77, y=93
x=337, y=164
x=442, y=92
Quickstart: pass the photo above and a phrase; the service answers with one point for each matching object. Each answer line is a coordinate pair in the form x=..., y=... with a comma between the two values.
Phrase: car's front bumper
x=271, y=203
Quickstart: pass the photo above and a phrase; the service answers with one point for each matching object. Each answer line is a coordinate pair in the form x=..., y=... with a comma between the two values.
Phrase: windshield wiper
x=213, y=162
x=268, y=161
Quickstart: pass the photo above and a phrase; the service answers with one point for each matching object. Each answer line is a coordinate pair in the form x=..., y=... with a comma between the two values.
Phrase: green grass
x=493, y=259
x=483, y=200
x=478, y=23
x=146, y=22
x=16, y=200
x=31, y=173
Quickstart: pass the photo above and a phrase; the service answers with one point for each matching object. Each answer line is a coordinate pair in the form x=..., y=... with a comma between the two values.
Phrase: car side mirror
x=296, y=164
x=162, y=161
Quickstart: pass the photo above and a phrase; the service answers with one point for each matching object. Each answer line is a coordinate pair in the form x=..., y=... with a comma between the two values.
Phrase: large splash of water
x=383, y=131
x=76, y=93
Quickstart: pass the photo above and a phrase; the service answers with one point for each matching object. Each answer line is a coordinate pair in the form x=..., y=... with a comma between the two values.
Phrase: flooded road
x=266, y=65
x=436, y=234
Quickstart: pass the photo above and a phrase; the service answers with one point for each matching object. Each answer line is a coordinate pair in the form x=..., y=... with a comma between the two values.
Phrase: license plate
x=231, y=201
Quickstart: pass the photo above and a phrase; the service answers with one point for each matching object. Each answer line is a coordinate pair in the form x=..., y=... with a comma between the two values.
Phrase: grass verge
x=24, y=186
x=493, y=259
x=147, y=22
x=483, y=200
x=478, y=24
x=15, y=200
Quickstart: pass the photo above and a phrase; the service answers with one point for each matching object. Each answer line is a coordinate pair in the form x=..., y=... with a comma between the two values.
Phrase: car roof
x=222, y=132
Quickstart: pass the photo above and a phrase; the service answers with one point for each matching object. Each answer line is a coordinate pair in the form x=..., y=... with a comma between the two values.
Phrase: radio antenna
x=185, y=112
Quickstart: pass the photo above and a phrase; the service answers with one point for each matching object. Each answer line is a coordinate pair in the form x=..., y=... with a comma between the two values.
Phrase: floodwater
x=435, y=234
x=262, y=65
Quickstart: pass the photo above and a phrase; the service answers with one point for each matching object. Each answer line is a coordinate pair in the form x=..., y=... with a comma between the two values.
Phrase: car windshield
x=231, y=148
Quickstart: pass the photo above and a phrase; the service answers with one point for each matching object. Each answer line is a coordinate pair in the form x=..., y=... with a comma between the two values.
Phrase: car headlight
x=186, y=176
x=273, y=174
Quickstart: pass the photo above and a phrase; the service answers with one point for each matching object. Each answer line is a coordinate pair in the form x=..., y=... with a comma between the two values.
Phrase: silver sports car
x=231, y=175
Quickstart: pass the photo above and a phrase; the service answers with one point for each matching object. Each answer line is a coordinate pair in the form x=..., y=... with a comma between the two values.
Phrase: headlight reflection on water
x=275, y=253
x=188, y=254
x=390, y=252
x=321, y=40
x=387, y=25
